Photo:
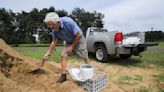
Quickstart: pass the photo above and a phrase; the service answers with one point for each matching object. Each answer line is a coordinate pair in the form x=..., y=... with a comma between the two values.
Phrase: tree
x=98, y=19
x=62, y=13
x=154, y=35
x=6, y=25
x=26, y=27
x=21, y=27
x=86, y=19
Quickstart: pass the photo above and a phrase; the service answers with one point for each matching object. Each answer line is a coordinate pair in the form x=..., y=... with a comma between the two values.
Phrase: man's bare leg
x=63, y=65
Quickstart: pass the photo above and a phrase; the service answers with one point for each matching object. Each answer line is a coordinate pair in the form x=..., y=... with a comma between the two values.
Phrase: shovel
x=39, y=70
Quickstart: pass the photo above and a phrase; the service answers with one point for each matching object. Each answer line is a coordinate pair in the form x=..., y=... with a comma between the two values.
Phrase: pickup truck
x=103, y=43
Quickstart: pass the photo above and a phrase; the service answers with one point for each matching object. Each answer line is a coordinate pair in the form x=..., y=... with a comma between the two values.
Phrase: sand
x=15, y=76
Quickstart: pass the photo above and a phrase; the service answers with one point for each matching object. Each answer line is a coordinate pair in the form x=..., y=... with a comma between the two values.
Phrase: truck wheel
x=101, y=54
x=125, y=56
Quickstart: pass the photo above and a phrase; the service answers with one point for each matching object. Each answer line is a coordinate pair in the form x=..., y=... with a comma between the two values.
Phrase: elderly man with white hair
x=66, y=29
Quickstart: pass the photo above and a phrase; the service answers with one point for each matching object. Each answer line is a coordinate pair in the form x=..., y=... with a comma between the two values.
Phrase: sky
x=121, y=15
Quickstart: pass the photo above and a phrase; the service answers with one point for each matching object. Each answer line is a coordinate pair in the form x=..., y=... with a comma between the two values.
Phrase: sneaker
x=62, y=78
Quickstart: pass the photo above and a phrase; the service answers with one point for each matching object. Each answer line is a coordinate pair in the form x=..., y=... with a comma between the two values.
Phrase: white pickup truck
x=104, y=43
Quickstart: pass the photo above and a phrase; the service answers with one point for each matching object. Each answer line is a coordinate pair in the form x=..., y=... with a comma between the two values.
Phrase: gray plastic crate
x=98, y=82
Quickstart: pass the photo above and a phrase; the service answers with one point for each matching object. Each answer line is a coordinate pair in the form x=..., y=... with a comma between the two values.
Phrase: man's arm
x=50, y=49
x=75, y=41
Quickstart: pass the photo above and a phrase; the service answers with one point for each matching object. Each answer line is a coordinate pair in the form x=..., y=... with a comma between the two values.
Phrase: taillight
x=118, y=38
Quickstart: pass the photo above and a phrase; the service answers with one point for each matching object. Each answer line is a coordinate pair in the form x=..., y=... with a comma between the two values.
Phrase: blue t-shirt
x=68, y=30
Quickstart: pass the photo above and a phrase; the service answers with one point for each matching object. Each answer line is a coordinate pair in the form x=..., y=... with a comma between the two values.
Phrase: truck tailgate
x=146, y=44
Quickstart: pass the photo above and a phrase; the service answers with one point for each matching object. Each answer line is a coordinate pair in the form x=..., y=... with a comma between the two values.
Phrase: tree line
x=156, y=35
x=150, y=36
x=18, y=28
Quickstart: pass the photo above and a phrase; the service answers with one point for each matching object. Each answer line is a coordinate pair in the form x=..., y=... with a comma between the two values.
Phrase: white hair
x=52, y=16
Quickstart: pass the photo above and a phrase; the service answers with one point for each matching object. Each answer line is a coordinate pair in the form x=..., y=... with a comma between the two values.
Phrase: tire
x=101, y=54
x=125, y=56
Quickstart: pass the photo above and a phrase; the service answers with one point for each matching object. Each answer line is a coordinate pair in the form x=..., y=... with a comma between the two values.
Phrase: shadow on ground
x=116, y=60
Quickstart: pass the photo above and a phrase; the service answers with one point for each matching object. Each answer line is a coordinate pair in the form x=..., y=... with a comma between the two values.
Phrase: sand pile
x=15, y=76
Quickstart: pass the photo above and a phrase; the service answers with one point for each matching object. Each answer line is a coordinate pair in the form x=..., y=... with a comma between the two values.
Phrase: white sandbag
x=74, y=72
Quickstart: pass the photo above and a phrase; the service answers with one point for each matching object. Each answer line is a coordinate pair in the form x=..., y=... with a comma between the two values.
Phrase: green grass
x=144, y=89
x=160, y=81
x=29, y=45
x=148, y=59
x=160, y=77
x=125, y=80
x=129, y=80
x=38, y=52
x=156, y=58
x=161, y=44
x=33, y=45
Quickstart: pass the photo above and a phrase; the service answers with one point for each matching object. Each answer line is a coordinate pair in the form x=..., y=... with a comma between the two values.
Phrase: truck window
x=99, y=30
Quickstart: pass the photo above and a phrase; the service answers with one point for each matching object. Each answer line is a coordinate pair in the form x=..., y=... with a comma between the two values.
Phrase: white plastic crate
x=98, y=82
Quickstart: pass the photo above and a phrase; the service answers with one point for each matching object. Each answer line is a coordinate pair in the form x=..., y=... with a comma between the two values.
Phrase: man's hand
x=75, y=41
x=69, y=49
x=46, y=56
x=39, y=64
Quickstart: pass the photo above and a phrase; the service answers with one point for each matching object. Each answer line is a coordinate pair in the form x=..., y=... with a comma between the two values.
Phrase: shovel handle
x=43, y=62
x=48, y=56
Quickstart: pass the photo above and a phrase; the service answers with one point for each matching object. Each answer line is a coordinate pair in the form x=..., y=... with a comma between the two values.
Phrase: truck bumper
x=131, y=49
x=122, y=50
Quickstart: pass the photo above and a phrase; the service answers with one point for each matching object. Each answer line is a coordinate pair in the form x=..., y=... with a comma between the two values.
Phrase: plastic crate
x=98, y=82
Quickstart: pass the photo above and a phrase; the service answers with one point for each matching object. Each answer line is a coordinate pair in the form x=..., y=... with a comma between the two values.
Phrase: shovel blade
x=37, y=71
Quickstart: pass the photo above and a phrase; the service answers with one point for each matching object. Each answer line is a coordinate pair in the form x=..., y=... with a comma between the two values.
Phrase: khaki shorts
x=80, y=49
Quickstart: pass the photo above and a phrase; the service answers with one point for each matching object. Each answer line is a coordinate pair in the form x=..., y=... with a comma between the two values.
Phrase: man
x=66, y=29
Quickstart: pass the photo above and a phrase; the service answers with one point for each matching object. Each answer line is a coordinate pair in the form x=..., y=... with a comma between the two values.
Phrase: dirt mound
x=15, y=76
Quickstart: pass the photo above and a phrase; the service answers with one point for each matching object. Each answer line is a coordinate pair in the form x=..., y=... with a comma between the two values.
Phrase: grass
x=148, y=59
x=136, y=81
x=156, y=58
x=125, y=80
x=161, y=44
x=129, y=80
x=144, y=89
x=160, y=77
x=31, y=45
x=160, y=81
x=38, y=52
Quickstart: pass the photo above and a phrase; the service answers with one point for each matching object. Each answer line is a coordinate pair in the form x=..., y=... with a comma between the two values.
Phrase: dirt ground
x=15, y=75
